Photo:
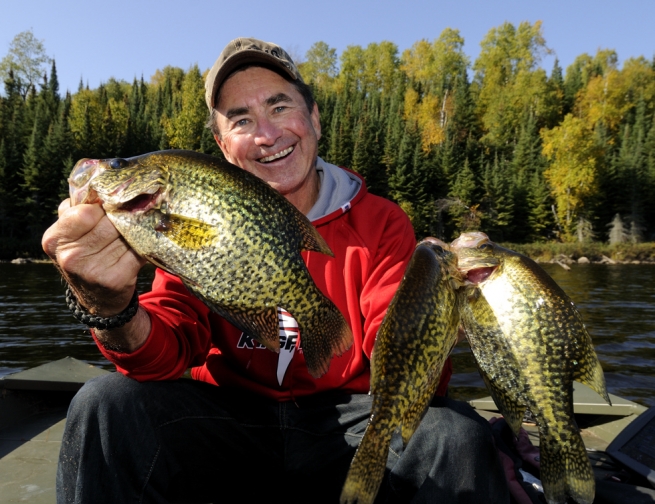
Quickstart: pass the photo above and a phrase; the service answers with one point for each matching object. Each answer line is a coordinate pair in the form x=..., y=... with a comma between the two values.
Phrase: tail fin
x=326, y=335
x=566, y=471
x=367, y=468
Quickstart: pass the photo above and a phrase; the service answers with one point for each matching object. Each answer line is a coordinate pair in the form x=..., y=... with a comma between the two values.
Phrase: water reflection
x=616, y=302
x=35, y=325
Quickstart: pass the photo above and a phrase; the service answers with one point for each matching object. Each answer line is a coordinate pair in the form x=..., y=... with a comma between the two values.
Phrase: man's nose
x=267, y=132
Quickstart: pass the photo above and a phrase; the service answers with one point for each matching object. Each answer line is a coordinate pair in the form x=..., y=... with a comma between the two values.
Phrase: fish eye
x=485, y=246
x=117, y=163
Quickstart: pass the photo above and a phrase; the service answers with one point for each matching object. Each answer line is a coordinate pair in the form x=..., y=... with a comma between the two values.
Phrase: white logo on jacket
x=288, y=342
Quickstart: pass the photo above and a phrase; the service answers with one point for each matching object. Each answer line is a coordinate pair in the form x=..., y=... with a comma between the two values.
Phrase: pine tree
x=367, y=150
x=540, y=221
x=341, y=132
x=13, y=115
x=184, y=129
x=556, y=95
x=394, y=129
x=136, y=137
x=461, y=203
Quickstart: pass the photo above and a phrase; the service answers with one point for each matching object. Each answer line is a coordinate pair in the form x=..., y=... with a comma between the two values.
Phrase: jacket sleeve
x=395, y=250
x=180, y=336
x=388, y=264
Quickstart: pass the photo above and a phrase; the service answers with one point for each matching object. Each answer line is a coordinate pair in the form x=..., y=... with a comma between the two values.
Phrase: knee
x=99, y=396
x=461, y=429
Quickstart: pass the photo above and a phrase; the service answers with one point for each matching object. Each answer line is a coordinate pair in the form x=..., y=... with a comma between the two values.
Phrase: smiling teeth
x=276, y=156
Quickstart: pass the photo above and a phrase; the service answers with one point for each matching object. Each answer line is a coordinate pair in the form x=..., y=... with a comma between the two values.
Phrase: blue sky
x=129, y=38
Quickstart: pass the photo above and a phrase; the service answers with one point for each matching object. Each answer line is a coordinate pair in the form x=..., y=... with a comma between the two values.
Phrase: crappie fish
x=233, y=240
x=413, y=342
x=530, y=345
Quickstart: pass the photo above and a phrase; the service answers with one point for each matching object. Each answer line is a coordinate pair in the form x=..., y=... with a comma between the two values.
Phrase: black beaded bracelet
x=82, y=314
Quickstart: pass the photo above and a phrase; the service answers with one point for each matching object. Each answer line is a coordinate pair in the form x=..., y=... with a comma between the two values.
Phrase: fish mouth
x=79, y=182
x=142, y=203
x=476, y=276
x=275, y=157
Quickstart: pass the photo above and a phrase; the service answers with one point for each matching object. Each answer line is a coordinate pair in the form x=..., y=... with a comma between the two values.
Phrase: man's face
x=267, y=130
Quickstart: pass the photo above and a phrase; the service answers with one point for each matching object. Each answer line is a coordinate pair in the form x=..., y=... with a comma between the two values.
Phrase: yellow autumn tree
x=604, y=100
x=85, y=121
x=572, y=170
x=508, y=82
x=612, y=93
x=372, y=69
x=434, y=69
x=320, y=67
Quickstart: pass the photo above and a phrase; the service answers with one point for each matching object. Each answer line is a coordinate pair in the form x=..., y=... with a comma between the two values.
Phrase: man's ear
x=316, y=121
x=220, y=143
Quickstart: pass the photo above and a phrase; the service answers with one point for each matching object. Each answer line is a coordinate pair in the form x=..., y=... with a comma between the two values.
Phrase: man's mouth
x=279, y=155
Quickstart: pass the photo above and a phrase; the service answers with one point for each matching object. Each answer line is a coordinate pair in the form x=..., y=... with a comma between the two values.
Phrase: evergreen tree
x=341, y=132
x=541, y=224
x=367, y=150
x=13, y=114
x=184, y=128
x=137, y=125
x=461, y=203
x=496, y=204
x=556, y=94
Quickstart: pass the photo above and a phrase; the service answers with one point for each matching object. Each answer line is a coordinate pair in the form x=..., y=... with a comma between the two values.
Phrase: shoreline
x=565, y=254
x=565, y=261
x=27, y=260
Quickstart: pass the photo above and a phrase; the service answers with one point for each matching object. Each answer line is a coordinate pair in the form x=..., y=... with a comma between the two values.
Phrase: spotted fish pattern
x=413, y=342
x=530, y=344
x=233, y=240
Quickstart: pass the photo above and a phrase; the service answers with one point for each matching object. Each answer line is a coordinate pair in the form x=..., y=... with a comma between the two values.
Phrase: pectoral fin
x=510, y=408
x=587, y=370
x=186, y=232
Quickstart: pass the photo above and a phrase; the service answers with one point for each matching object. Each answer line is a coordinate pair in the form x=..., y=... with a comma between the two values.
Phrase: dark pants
x=185, y=441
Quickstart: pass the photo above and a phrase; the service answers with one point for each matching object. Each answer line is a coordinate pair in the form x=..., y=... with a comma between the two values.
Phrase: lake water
x=617, y=303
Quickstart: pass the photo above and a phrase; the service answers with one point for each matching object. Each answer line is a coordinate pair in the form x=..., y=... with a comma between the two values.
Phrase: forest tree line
x=497, y=145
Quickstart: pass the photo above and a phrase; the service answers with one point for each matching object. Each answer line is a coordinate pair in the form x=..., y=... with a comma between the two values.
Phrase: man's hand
x=99, y=266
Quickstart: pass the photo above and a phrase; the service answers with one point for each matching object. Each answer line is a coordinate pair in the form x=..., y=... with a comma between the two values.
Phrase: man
x=268, y=430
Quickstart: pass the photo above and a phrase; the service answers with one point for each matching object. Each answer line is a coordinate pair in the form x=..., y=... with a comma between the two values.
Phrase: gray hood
x=338, y=188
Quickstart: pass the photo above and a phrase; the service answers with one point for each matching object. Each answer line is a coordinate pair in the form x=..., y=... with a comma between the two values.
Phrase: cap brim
x=240, y=59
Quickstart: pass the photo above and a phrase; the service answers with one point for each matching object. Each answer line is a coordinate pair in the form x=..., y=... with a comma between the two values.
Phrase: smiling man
x=253, y=425
x=264, y=126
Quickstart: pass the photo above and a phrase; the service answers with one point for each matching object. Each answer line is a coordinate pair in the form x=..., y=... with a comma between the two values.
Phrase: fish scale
x=233, y=240
x=530, y=344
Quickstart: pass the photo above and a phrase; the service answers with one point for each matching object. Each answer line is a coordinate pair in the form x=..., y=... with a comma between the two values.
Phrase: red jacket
x=372, y=240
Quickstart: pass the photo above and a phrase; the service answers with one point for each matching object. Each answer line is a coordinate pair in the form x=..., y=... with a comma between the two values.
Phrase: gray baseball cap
x=242, y=51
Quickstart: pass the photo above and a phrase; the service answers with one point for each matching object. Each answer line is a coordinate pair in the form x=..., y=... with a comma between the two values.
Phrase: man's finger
x=63, y=206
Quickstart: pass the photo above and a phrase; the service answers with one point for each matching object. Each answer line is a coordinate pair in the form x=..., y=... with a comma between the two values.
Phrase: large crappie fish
x=413, y=342
x=233, y=240
x=530, y=345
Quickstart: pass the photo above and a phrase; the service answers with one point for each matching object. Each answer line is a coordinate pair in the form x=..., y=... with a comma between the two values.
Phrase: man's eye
x=280, y=108
x=242, y=122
